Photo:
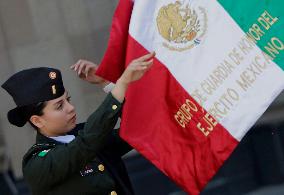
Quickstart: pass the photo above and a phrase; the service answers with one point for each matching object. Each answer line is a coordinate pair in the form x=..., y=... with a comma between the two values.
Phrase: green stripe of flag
x=261, y=19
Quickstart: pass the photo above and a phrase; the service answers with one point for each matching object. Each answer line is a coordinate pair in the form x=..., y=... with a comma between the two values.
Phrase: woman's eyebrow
x=58, y=102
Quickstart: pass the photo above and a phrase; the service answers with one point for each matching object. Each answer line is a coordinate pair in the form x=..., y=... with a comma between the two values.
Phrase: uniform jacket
x=90, y=164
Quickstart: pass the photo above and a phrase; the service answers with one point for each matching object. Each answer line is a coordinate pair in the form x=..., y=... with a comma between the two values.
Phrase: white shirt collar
x=64, y=139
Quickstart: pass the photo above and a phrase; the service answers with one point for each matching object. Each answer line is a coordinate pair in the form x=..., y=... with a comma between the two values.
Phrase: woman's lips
x=73, y=119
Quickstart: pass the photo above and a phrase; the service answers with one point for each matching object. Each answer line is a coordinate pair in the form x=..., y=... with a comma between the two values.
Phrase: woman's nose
x=71, y=108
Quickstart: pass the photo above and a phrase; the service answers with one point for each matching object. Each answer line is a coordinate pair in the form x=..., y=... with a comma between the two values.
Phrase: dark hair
x=33, y=109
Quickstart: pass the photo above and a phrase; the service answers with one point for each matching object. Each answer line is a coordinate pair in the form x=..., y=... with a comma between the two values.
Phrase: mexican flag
x=218, y=66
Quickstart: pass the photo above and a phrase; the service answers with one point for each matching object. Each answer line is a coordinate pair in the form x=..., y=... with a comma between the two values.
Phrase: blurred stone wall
x=53, y=33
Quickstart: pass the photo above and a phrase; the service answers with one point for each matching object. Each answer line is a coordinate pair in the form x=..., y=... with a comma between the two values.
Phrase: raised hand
x=86, y=70
x=134, y=71
x=137, y=68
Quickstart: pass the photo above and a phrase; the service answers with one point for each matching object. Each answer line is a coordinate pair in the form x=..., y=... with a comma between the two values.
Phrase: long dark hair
x=33, y=109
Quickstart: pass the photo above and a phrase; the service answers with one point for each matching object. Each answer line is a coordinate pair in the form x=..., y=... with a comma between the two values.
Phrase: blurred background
x=57, y=33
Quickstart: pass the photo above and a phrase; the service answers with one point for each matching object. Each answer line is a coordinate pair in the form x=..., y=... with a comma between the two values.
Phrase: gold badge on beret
x=53, y=89
x=52, y=75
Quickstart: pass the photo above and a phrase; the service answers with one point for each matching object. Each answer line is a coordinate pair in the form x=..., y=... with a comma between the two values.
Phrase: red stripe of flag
x=150, y=123
x=186, y=155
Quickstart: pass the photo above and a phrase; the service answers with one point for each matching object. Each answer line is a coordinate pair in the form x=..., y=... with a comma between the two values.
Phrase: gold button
x=113, y=193
x=114, y=107
x=101, y=167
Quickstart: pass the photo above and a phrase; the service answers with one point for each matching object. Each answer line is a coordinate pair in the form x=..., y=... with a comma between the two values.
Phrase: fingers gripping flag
x=218, y=66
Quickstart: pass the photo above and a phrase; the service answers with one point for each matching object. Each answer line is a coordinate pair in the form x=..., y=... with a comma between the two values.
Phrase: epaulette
x=36, y=149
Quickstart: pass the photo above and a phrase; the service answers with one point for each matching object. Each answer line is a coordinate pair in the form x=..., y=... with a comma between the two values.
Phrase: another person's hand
x=134, y=71
x=86, y=70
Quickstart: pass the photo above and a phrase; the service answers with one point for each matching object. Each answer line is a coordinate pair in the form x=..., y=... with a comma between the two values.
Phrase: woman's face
x=58, y=117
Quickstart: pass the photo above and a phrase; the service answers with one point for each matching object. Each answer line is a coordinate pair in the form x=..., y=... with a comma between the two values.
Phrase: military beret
x=32, y=86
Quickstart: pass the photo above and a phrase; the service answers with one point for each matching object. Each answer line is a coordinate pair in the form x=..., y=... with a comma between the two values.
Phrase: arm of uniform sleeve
x=64, y=160
x=116, y=145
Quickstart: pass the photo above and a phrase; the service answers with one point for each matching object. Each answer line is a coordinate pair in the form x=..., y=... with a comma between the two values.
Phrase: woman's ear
x=37, y=121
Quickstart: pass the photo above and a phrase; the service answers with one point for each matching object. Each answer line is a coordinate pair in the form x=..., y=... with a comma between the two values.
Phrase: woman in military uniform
x=69, y=158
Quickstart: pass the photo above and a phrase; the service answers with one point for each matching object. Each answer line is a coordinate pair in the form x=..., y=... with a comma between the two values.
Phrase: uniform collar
x=40, y=138
x=43, y=139
x=54, y=140
x=65, y=139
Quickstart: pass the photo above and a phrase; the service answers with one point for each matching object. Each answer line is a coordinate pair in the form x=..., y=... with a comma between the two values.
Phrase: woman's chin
x=72, y=126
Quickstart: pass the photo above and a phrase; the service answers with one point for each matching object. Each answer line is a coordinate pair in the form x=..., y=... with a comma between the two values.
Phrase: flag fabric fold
x=218, y=66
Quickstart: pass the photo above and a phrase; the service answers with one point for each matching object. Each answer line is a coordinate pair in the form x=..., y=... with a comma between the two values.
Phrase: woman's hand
x=137, y=68
x=134, y=71
x=86, y=70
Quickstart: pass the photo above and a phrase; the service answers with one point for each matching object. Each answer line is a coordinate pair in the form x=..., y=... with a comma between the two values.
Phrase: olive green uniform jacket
x=90, y=164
